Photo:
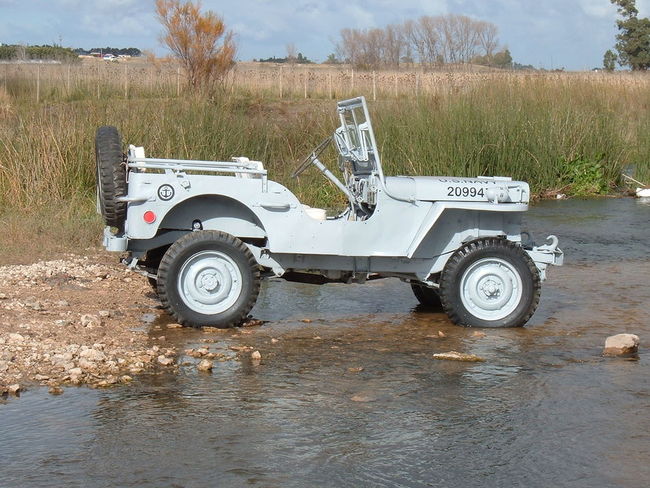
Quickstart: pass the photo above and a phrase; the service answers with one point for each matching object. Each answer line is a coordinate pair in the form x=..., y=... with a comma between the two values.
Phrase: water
x=544, y=409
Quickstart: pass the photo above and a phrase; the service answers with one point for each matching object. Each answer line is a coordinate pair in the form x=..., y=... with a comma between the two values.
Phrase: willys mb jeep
x=206, y=232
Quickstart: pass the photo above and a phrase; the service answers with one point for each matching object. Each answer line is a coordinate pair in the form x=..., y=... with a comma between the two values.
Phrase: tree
x=199, y=41
x=633, y=44
x=291, y=53
x=332, y=59
x=502, y=59
x=609, y=60
x=431, y=41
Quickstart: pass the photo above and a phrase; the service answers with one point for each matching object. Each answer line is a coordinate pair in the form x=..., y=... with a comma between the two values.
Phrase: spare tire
x=111, y=176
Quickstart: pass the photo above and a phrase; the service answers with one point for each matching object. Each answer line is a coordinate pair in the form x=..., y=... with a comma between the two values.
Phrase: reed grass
x=573, y=134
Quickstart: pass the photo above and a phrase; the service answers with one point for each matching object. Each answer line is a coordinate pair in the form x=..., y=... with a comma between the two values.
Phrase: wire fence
x=101, y=79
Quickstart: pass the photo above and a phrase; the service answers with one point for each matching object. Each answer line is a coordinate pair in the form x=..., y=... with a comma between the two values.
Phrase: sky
x=570, y=34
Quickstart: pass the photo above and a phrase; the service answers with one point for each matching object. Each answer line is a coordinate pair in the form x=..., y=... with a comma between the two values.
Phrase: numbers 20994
x=464, y=191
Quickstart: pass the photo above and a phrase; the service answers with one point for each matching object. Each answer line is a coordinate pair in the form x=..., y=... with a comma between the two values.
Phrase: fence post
x=38, y=83
x=374, y=86
x=329, y=76
x=126, y=82
x=305, y=77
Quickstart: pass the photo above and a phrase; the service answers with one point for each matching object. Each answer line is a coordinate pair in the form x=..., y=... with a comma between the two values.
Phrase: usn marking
x=464, y=191
x=166, y=192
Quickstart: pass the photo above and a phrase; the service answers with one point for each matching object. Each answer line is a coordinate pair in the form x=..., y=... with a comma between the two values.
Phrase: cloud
x=571, y=33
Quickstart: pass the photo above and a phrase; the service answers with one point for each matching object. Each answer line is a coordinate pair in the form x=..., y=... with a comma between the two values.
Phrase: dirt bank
x=76, y=320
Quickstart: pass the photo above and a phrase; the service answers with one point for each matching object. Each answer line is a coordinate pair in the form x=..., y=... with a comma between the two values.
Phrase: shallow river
x=544, y=409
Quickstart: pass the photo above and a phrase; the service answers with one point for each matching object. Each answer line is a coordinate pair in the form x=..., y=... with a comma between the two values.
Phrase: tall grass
x=573, y=135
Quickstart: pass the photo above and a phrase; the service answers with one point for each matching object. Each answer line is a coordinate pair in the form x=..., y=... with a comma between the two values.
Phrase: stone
x=14, y=389
x=256, y=355
x=205, y=365
x=41, y=377
x=478, y=334
x=458, y=356
x=274, y=340
x=14, y=337
x=90, y=321
x=164, y=360
x=92, y=355
x=55, y=390
x=86, y=364
x=441, y=334
x=253, y=323
x=621, y=345
x=306, y=321
x=4, y=366
x=67, y=366
x=174, y=326
x=104, y=313
x=356, y=370
x=363, y=397
x=75, y=372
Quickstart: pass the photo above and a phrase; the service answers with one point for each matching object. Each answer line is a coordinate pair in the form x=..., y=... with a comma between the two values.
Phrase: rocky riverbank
x=77, y=320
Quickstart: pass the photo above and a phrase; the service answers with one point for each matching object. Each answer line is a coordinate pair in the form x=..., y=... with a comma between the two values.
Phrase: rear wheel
x=428, y=297
x=490, y=282
x=208, y=278
x=111, y=176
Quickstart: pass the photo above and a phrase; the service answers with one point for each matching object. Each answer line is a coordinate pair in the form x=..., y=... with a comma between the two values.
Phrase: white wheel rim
x=209, y=282
x=491, y=289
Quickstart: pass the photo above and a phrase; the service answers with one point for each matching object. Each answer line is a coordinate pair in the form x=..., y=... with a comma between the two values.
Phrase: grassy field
x=568, y=133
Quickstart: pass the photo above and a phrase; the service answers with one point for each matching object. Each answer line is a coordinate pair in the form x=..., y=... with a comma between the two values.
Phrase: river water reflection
x=544, y=409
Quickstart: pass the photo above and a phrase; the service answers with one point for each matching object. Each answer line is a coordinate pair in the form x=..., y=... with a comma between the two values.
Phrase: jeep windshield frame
x=355, y=139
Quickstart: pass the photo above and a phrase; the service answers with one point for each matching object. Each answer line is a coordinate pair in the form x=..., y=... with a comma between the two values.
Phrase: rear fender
x=215, y=212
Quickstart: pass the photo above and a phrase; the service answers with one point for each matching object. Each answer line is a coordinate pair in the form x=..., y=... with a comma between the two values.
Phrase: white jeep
x=206, y=232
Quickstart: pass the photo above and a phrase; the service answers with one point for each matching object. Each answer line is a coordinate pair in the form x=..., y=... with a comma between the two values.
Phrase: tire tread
x=183, y=243
x=111, y=175
x=451, y=270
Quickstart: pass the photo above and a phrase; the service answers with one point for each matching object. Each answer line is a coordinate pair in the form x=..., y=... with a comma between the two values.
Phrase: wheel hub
x=210, y=282
x=491, y=289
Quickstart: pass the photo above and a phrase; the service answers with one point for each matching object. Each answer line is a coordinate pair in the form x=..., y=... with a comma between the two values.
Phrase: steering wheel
x=311, y=158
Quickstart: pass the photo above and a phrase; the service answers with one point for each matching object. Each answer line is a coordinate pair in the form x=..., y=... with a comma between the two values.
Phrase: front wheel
x=208, y=278
x=490, y=282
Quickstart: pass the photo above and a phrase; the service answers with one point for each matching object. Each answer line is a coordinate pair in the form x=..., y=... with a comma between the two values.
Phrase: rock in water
x=164, y=360
x=205, y=365
x=621, y=345
x=458, y=356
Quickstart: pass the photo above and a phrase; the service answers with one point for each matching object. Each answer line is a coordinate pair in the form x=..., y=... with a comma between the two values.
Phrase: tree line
x=431, y=41
x=115, y=51
x=58, y=53
x=46, y=52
